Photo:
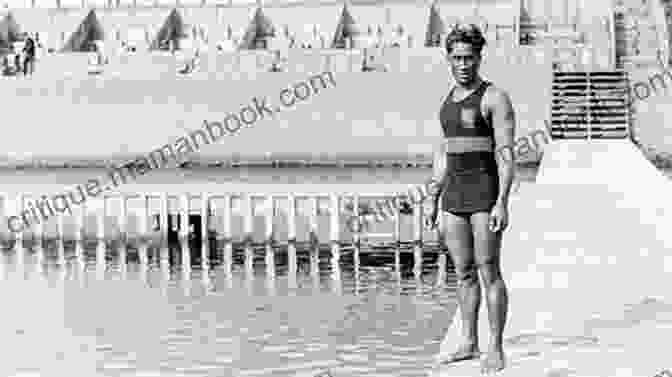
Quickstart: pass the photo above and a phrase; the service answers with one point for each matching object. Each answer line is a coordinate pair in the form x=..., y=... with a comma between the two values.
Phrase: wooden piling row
x=207, y=211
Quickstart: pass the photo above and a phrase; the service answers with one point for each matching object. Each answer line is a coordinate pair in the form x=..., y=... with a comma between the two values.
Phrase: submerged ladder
x=590, y=105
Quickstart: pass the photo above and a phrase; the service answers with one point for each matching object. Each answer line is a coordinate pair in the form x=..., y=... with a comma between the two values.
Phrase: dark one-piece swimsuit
x=471, y=180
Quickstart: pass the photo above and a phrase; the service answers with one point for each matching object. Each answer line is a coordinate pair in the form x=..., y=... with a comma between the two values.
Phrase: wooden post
x=184, y=217
x=38, y=232
x=101, y=220
x=60, y=238
x=335, y=226
x=143, y=232
x=397, y=236
x=417, y=236
x=164, y=266
x=205, y=234
x=248, y=216
x=79, y=223
x=358, y=230
x=18, y=245
x=123, y=216
x=80, y=264
x=185, y=248
x=123, y=258
x=39, y=240
x=356, y=245
x=270, y=211
x=163, y=218
x=100, y=259
x=228, y=242
x=270, y=280
x=291, y=236
x=144, y=266
x=270, y=253
x=314, y=238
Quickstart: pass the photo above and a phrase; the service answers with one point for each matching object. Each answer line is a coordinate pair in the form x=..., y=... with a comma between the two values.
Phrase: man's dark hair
x=465, y=33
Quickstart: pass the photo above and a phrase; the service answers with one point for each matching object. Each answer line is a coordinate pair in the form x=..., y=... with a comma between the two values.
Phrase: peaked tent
x=346, y=29
x=173, y=29
x=260, y=29
x=88, y=31
x=10, y=31
x=435, y=28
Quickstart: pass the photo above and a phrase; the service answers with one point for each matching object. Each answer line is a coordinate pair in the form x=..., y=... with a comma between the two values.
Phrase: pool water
x=154, y=311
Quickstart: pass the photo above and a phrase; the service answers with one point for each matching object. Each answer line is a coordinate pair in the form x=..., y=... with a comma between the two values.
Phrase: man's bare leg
x=458, y=239
x=487, y=247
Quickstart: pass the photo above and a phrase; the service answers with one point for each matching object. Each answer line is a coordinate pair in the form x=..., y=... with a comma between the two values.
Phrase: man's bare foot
x=493, y=362
x=465, y=352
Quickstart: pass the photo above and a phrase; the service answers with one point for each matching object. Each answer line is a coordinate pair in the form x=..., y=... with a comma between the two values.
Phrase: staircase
x=638, y=32
x=590, y=105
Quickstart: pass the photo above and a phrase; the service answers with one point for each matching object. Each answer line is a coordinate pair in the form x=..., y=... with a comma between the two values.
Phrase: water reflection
x=257, y=309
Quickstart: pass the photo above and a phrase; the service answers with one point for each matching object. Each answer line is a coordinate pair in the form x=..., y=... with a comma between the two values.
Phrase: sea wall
x=134, y=109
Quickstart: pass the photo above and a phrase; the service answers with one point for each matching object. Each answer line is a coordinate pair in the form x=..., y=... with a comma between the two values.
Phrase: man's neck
x=470, y=86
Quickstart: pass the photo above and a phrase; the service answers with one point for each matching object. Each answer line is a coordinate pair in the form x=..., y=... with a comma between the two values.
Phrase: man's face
x=464, y=63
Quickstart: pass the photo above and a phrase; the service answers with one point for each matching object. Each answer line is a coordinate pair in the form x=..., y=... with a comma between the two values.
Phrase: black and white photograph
x=335, y=188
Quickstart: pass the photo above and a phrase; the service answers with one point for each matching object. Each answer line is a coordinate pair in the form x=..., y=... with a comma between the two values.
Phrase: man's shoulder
x=495, y=90
x=496, y=95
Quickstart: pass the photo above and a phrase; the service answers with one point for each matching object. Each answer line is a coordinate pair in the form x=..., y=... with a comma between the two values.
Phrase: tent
x=88, y=31
x=173, y=29
x=346, y=29
x=10, y=31
x=435, y=28
x=260, y=29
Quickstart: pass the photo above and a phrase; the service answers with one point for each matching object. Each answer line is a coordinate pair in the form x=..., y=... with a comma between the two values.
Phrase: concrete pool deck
x=586, y=261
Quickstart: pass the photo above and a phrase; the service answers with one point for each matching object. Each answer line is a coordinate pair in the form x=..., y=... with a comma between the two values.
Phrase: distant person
x=192, y=64
x=7, y=65
x=277, y=66
x=368, y=64
x=29, y=57
x=97, y=58
x=17, y=59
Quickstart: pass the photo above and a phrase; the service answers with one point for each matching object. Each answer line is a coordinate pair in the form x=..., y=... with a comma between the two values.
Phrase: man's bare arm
x=504, y=123
x=438, y=171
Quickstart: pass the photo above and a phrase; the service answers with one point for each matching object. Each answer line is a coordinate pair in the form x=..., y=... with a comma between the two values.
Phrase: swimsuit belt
x=463, y=144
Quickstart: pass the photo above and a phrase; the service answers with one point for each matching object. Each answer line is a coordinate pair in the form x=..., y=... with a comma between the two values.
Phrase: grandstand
x=527, y=42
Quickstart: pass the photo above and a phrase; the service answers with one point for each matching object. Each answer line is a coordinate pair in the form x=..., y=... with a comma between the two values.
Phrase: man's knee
x=467, y=275
x=489, y=268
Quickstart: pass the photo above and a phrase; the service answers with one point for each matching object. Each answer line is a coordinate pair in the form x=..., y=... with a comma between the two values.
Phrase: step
x=588, y=103
x=615, y=73
x=600, y=115
x=588, y=91
x=570, y=136
x=592, y=85
x=567, y=124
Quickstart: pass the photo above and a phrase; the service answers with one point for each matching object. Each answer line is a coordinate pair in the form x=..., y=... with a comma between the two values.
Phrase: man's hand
x=499, y=218
x=432, y=214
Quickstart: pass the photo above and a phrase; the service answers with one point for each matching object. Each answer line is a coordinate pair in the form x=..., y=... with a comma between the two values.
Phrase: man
x=29, y=56
x=477, y=119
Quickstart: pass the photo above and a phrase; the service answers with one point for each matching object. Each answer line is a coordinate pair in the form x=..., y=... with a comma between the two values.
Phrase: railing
x=341, y=232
